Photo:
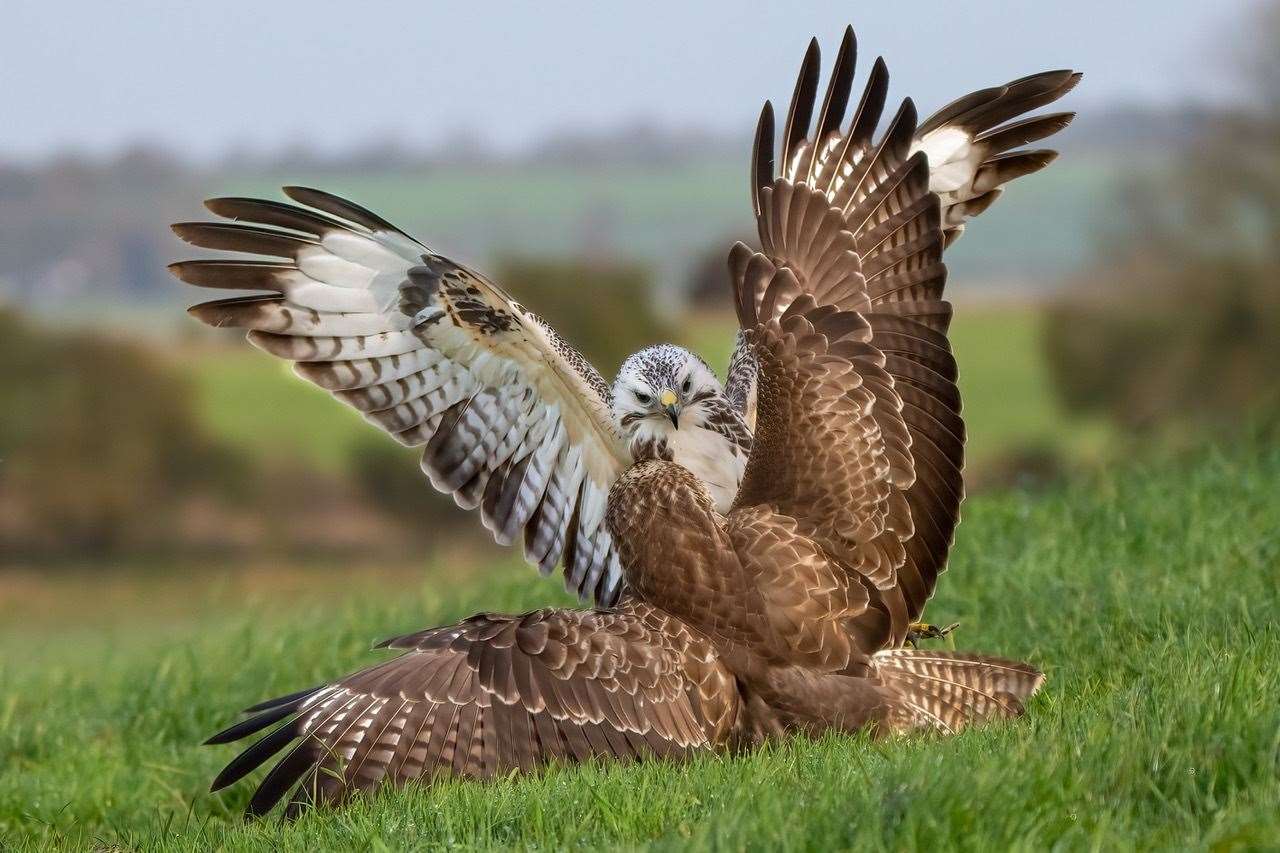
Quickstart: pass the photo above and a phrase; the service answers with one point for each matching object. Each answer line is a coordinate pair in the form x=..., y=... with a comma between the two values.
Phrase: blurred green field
x=1148, y=595
x=255, y=402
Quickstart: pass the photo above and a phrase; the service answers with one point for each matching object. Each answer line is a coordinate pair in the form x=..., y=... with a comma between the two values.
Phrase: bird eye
x=688, y=382
x=644, y=398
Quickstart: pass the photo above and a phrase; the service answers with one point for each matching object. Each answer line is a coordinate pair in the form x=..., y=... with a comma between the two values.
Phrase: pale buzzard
x=782, y=608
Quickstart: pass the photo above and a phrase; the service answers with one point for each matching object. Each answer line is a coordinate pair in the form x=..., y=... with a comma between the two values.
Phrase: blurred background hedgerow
x=1123, y=304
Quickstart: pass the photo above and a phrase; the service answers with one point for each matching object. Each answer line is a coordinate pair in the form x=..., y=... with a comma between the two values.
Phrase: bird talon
x=918, y=631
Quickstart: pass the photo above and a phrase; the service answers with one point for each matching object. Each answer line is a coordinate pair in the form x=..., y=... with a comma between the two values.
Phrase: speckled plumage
x=708, y=435
x=762, y=546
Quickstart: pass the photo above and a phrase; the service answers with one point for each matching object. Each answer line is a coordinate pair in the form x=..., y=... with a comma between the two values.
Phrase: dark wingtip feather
x=281, y=700
x=802, y=101
x=240, y=311
x=1024, y=131
x=762, y=155
x=269, y=212
x=839, y=87
x=231, y=274
x=902, y=127
x=908, y=113
x=281, y=778
x=1045, y=80
x=962, y=105
x=233, y=237
x=341, y=208
x=181, y=229
x=871, y=106
x=244, y=728
x=249, y=760
x=976, y=114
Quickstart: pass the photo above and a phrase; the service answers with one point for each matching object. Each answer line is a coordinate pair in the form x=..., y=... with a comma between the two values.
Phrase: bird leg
x=918, y=631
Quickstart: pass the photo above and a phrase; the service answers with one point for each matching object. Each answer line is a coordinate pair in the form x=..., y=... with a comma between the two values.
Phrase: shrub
x=1183, y=324
x=391, y=479
x=96, y=441
x=605, y=309
x=707, y=284
x=1152, y=341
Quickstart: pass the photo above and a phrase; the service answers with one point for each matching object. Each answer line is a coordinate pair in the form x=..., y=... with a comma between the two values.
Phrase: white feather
x=322, y=265
x=362, y=250
x=310, y=293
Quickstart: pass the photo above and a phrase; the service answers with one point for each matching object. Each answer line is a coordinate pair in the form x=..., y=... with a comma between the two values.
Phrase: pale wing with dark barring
x=512, y=420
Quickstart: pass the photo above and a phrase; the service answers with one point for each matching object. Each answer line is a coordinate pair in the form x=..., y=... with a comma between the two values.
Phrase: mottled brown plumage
x=845, y=203
x=788, y=612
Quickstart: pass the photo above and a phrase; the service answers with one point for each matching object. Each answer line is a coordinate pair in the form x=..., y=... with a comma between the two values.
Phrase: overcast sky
x=205, y=76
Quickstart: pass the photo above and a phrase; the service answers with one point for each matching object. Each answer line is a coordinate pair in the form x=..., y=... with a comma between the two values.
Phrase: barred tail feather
x=949, y=691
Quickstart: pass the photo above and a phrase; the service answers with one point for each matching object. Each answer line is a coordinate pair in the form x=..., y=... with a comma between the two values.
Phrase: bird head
x=660, y=389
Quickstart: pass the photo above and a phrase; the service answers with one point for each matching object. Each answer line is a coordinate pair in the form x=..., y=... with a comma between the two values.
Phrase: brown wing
x=820, y=454
x=842, y=194
x=490, y=695
x=512, y=420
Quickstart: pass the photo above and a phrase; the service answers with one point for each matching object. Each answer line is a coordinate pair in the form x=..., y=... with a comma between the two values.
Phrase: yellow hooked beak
x=670, y=403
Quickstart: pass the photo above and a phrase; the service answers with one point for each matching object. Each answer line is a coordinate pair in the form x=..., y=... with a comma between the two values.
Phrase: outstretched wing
x=512, y=420
x=487, y=696
x=844, y=193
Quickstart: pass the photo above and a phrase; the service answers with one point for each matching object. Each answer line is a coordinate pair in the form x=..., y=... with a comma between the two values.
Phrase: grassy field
x=1147, y=594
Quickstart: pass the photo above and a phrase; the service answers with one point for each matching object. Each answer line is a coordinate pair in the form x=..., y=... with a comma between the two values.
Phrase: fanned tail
x=949, y=691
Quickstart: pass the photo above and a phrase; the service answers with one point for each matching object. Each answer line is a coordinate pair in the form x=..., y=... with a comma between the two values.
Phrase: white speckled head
x=660, y=389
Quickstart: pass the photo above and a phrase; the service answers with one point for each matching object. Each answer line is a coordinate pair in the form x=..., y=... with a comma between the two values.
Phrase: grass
x=1148, y=594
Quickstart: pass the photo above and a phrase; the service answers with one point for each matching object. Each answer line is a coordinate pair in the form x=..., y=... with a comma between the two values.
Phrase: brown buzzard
x=782, y=608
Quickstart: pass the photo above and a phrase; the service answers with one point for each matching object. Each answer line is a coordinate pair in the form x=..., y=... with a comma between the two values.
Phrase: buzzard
x=512, y=420
x=758, y=551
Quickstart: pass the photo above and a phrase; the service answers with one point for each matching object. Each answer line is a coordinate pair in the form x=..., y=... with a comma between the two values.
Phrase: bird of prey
x=757, y=552
x=513, y=421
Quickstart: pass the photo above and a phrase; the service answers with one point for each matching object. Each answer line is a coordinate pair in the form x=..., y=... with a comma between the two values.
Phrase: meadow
x=1145, y=588
x=1147, y=594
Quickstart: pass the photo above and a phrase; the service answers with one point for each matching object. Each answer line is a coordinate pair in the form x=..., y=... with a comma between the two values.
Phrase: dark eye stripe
x=702, y=395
